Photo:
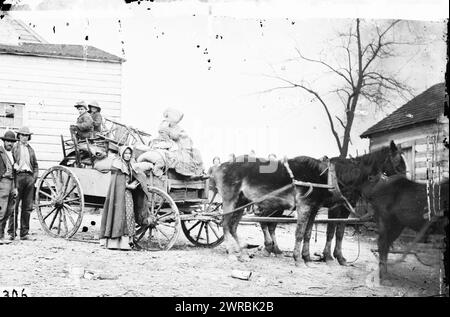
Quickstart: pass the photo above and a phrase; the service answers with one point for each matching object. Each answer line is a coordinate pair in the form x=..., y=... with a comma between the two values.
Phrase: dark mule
x=339, y=211
x=400, y=203
x=248, y=179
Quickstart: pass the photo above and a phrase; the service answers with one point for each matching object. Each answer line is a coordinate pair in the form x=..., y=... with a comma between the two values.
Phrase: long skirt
x=123, y=242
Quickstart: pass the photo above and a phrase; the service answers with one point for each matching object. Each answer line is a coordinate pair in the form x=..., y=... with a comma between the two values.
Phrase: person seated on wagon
x=94, y=110
x=85, y=125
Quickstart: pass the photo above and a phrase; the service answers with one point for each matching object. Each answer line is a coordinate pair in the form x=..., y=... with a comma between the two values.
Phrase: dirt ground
x=57, y=267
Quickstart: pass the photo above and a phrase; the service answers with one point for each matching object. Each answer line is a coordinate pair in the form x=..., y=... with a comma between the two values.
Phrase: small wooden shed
x=40, y=83
x=420, y=127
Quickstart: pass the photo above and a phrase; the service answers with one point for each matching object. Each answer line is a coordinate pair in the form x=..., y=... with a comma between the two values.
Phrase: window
x=407, y=152
x=11, y=115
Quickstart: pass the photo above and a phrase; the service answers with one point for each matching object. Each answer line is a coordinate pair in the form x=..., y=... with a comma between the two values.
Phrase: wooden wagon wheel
x=59, y=202
x=204, y=228
x=162, y=221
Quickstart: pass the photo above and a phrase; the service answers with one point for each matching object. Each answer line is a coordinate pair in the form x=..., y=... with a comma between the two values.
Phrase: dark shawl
x=113, y=224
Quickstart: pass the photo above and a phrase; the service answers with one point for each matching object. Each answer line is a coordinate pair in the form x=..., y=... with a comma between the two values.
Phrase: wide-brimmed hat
x=94, y=104
x=9, y=136
x=24, y=131
x=80, y=104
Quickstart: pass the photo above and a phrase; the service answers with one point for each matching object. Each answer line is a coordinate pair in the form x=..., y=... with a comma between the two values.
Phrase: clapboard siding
x=37, y=64
x=65, y=117
x=77, y=94
x=49, y=87
x=97, y=81
x=403, y=135
x=424, y=154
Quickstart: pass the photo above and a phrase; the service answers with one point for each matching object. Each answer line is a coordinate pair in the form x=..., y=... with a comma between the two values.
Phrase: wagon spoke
x=160, y=231
x=172, y=226
x=207, y=233
x=65, y=222
x=71, y=209
x=164, y=215
x=49, y=203
x=68, y=193
x=70, y=217
x=59, y=222
x=50, y=187
x=196, y=224
x=159, y=208
x=55, y=182
x=200, y=231
x=53, y=220
x=49, y=213
x=66, y=185
x=45, y=194
x=142, y=234
x=72, y=200
x=213, y=230
x=152, y=203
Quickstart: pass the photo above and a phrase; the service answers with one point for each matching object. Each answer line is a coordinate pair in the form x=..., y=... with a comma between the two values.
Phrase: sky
x=212, y=59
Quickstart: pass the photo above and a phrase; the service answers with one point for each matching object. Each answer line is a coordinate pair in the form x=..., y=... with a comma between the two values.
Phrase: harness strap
x=295, y=183
x=271, y=194
x=335, y=190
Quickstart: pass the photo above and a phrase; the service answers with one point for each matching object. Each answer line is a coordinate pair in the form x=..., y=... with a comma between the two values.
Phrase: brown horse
x=249, y=179
x=400, y=203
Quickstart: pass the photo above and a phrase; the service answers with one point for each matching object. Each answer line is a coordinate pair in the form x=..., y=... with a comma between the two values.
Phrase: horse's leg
x=276, y=250
x=268, y=243
x=340, y=230
x=307, y=238
x=228, y=222
x=233, y=230
x=303, y=214
x=331, y=229
x=391, y=229
x=383, y=246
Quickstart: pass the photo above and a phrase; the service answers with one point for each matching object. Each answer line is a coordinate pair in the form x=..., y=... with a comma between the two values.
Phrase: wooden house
x=420, y=127
x=40, y=83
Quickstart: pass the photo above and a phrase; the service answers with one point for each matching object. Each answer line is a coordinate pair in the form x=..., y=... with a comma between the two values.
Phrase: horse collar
x=288, y=169
x=291, y=175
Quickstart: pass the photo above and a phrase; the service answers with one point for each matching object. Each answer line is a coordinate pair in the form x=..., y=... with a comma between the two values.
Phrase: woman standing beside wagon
x=117, y=229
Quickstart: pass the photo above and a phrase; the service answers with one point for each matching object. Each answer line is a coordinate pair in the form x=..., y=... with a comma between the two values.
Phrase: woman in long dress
x=118, y=225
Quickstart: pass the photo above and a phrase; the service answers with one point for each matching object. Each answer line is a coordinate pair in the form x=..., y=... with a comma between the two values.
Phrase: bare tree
x=361, y=76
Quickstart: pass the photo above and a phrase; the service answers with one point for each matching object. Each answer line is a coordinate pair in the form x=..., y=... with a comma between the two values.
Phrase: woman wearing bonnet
x=117, y=229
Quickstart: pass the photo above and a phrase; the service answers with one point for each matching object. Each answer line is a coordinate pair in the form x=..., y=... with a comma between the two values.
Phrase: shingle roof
x=428, y=106
x=60, y=51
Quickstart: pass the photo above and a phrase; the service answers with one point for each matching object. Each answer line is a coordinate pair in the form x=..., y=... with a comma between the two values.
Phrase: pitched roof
x=69, y=51
x=21, y=31
x=428, y=106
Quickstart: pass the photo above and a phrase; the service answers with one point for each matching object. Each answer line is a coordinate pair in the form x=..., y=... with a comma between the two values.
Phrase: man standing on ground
x=27, y=172
x=7, y=186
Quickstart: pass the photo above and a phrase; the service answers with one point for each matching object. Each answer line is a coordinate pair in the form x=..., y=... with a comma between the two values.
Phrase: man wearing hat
x=7, y=184
x=27, y=172
x=94, y=110
x=85, y=125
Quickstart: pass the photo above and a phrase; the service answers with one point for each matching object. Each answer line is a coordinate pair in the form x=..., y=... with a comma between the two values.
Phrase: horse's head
x=394, y=163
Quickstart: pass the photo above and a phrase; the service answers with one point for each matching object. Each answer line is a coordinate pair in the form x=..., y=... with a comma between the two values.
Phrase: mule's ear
x=393, y=146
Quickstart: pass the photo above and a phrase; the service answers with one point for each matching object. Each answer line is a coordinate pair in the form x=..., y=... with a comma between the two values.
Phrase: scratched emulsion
x=122, y=42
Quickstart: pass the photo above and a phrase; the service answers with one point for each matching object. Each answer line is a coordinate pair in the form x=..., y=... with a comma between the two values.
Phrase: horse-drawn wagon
x=172, y=202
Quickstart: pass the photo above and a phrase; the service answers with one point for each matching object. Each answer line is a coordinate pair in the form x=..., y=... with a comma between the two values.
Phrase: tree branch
x=325, y=64
x=324, y=105
x=340, y=121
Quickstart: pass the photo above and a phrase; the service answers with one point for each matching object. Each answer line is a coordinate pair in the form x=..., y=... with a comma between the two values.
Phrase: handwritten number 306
x=14, y=293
